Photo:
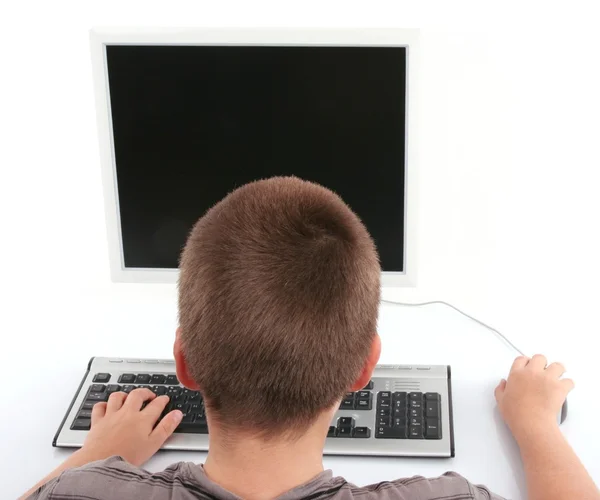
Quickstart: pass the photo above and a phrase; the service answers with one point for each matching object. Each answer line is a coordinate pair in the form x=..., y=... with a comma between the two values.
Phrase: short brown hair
x=278, y=299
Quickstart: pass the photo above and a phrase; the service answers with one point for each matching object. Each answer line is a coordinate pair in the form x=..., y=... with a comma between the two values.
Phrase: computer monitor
x=186, y=116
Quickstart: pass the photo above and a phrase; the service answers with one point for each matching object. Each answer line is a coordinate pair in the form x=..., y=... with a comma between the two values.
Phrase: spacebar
x=191, y=428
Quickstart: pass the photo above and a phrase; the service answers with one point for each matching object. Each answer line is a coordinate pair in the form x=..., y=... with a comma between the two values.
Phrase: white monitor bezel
x=100, y=37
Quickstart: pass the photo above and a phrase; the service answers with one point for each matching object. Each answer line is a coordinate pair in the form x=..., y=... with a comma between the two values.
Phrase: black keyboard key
x=416, y=396
x=363, y=404
x=363, y=394
x=369, y=386
x=97, y=388
x=158, y=379
x=332, y=432
x=183, y=407
x=400, y=412
x=345, y=422
x=143, y=387
x=399, y=421
x=97, y=396
x=361, y=432
x=128, y=388
x=344, y=432
x=347, y=404
x=193, y=396
x=400, y=403
x=200, y=418
x=402, y=432
x=415, y=413
x=196, y=408
x=193, y=423
x=102, y=378
x=142, y=378
x=384, y=395
x=174, y=391
x=127, y=378
x=415, y=432
x=383, y=421
x=159, y=390
x=81, y=424
x=433, y=429
x=195, y=427
x=113, y=388
x=415, y=429
x=416, y=404
x=192, y=428
x=383, y=412
x=85, y=414
x=188, y=418
x=172, y=380
x=390, y=432
x=432, y=396
x=432, y=409
x=88, y=405
x=384, y=403
x=348, y=401
x=400, y=396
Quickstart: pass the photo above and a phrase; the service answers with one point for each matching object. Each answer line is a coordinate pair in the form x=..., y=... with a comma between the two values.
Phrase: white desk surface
x=39, y=384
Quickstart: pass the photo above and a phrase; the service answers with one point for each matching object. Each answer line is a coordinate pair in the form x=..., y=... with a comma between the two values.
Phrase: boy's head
x=278, y=298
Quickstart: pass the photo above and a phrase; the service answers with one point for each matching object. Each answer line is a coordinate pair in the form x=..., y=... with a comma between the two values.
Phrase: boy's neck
x=256, y=469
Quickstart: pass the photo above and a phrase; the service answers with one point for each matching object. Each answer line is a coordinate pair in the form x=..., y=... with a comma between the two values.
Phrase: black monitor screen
x=192, y=123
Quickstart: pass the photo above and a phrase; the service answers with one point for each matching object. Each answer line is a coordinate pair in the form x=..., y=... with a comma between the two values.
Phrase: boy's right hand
x=121, y=427
x=532, y=397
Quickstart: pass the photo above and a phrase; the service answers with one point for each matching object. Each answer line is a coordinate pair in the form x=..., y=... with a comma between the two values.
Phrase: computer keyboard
x=405, y=410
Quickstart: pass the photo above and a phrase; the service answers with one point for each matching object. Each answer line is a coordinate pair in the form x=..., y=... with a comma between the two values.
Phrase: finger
x=538, y=362
x=500, y=389
x=115, y=401
x=98, y=411
x=166, y=427
x=520, y=362
x=155, y=408
x=137, y=397
x=556, y=370
x=568, y=384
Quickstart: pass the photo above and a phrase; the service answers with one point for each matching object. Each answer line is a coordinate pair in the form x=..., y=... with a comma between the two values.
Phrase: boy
x=278, y=300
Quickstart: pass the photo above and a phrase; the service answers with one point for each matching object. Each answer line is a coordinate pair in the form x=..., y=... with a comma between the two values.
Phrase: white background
x=508, y=195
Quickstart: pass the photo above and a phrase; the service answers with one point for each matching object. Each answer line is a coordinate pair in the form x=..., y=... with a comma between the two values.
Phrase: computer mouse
x=563, y=413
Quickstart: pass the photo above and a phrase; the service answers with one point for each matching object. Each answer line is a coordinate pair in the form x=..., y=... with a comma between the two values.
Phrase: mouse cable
x=441, y=302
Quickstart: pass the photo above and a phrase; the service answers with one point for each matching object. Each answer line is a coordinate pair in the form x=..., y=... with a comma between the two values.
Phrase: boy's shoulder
x=445, y=487
x=116, y=478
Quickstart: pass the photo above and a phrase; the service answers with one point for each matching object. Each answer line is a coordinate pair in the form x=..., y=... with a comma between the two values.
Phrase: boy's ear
x=181, y=366
x=369, y=365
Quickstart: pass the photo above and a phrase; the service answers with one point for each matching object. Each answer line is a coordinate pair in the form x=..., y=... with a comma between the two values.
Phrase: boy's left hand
x=120, y=427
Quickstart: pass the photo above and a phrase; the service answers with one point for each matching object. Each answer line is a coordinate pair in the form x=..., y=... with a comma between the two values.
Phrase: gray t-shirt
x=116, y=479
